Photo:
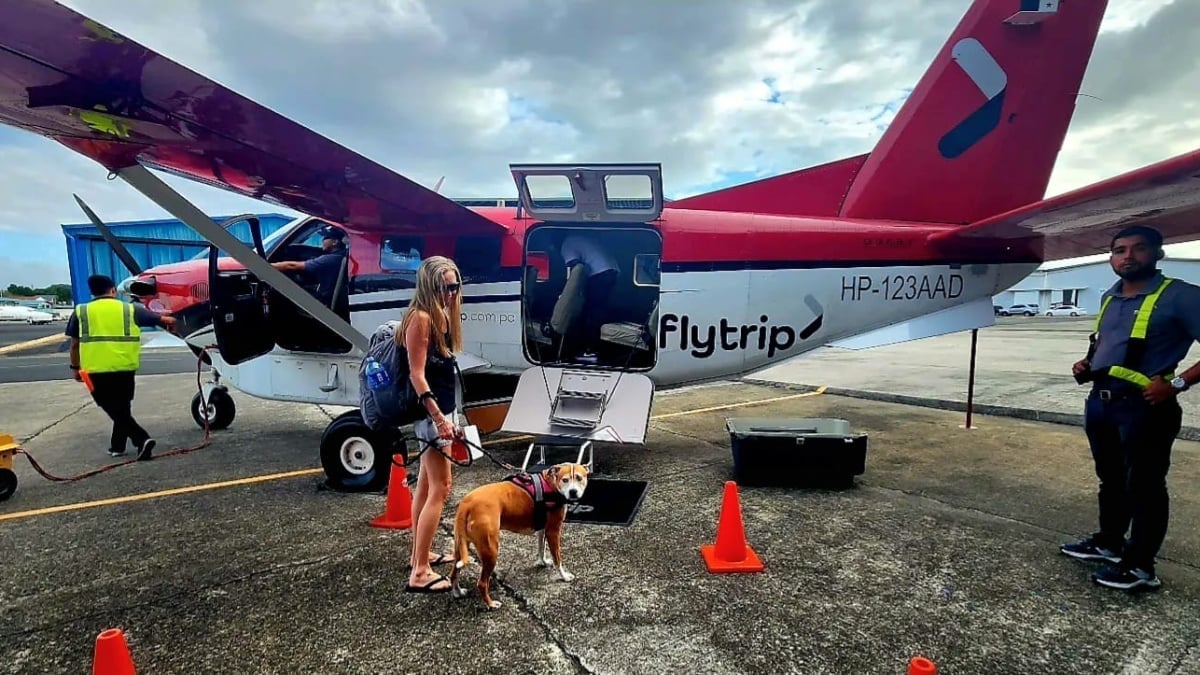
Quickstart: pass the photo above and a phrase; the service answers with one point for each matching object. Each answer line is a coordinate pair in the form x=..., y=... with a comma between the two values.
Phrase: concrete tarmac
x=946, y=548
x=47, y=367
x=12, y=332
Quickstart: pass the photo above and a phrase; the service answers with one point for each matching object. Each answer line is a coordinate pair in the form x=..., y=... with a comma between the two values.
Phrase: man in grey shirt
x=1147, y=325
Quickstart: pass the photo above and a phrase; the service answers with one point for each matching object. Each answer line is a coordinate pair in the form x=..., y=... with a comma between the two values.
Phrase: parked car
x=1023, y=310
x=1061, y=309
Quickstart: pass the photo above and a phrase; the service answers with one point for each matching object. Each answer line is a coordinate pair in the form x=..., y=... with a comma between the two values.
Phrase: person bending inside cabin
x=431, y=331
x=106, y=343
x=324, y=268
x=601, y=271
x=1146, y=326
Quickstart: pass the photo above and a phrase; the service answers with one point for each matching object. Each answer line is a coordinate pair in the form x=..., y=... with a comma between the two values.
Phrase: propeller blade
x=117, y=247
x=438, y=187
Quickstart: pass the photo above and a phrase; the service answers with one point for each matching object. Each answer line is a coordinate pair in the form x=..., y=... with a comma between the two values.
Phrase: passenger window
x=400, y=255
x=646, y=269
x=540, y=261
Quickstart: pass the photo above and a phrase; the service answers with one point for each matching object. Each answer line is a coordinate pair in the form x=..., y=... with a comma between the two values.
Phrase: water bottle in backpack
x=377, y=375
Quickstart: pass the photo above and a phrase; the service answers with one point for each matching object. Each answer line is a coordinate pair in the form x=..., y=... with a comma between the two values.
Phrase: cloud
x=723, y=91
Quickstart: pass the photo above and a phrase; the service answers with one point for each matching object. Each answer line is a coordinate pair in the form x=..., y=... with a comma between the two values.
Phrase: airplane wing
x=1165, y=196
x=68, y=78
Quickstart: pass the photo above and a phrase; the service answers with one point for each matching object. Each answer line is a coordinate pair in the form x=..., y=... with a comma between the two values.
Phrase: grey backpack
x=395, y=405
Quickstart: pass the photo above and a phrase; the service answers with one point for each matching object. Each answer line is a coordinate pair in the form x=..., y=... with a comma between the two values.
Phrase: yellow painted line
x=743, y=404
x=31, y=344
x=696, y=411
x=309, y=472
x=156, y=495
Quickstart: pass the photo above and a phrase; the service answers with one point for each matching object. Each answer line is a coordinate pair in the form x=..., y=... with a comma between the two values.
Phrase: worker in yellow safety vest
x=1146, y=325
x=106, y=352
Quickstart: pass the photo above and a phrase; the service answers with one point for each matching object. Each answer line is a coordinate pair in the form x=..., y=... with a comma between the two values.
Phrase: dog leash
x=467, y=444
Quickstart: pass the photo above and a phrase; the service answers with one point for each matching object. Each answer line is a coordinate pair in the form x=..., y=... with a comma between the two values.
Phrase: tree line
x=60, y=292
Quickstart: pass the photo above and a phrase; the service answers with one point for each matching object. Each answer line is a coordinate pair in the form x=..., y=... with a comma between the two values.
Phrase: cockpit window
x=269, y=243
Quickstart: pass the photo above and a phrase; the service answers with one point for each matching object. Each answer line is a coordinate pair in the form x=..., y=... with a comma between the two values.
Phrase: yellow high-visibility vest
x=109, y=337
x=1141, y=323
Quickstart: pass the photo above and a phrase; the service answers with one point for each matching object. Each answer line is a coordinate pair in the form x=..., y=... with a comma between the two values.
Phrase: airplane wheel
x=8, y=483
x=220, y=411
x=355, y=457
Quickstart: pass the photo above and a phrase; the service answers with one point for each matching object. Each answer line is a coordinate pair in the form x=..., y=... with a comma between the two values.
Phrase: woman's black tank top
x=440, y=373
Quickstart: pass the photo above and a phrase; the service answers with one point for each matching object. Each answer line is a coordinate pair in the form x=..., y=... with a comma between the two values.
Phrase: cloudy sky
x=720, y=93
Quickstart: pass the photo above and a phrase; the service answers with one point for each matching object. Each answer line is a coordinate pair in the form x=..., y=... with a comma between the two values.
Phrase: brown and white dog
x=513, y=505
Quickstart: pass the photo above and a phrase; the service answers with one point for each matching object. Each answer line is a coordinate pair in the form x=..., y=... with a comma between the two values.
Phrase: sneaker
x=147, y=448
x=1087, y=549
x=1126, y=577
x=116, y=453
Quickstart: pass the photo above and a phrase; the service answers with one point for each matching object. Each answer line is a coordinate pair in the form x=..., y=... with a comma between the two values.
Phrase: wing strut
x=174, y=203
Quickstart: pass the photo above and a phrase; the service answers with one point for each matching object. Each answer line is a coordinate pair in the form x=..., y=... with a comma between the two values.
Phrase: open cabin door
x=589, y=299
x=240, y=316
x=250, y=318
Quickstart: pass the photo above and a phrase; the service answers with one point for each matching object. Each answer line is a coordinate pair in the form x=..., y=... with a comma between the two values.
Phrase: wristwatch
x=1179, y=383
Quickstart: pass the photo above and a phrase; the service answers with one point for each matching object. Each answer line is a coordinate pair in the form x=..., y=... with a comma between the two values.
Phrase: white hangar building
x=1080, y=281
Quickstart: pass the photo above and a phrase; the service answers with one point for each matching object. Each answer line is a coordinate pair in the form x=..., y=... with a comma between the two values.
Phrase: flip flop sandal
x=429, y=587
x=441, y=559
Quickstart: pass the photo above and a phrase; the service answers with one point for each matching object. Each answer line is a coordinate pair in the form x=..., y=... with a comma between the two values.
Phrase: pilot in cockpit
x=324, y=268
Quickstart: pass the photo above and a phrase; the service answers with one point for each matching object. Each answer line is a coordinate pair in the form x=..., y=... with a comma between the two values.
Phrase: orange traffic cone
x=111, y=656
x=921, y=666
x=397, y=514
x=731, y=553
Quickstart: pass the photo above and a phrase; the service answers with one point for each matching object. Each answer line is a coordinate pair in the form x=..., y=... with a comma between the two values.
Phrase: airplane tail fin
x=978, y=136
x=980, y=133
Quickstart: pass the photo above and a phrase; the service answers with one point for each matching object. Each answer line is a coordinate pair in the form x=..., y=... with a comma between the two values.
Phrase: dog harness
x=545, y=497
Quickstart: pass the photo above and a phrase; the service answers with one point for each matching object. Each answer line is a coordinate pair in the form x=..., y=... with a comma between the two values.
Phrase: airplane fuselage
x=737, y=293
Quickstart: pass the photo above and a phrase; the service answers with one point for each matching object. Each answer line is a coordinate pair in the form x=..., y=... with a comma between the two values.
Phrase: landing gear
x=355, y=457
x=219, y=412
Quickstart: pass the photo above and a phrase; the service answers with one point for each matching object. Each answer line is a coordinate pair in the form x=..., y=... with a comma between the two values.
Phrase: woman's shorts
x=426, y=430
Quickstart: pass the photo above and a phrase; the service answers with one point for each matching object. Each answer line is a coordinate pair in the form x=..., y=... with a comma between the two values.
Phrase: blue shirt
x=1174, y=326
x=324, y=270
x=576, y=249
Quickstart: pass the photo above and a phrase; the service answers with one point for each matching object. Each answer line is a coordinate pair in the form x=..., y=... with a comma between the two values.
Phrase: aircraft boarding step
x=581, y=399
x=577, y=407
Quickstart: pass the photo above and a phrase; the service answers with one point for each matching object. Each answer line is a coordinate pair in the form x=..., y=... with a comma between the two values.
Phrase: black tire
x=222, y=410
x=8, y=483
x=355, y=457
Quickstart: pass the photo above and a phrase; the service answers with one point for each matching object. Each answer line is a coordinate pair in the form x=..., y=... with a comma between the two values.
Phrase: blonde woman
x=431, y=331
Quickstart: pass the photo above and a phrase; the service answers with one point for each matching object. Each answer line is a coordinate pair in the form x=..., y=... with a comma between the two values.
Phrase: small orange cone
x=731, y=553
x=111, y=656
x=921, y=666
x=397, y=514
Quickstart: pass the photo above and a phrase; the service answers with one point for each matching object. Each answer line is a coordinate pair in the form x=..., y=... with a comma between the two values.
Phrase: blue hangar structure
x=150, y=242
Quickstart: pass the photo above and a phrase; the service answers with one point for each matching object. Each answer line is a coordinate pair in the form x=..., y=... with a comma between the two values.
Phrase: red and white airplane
x=910, y=240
